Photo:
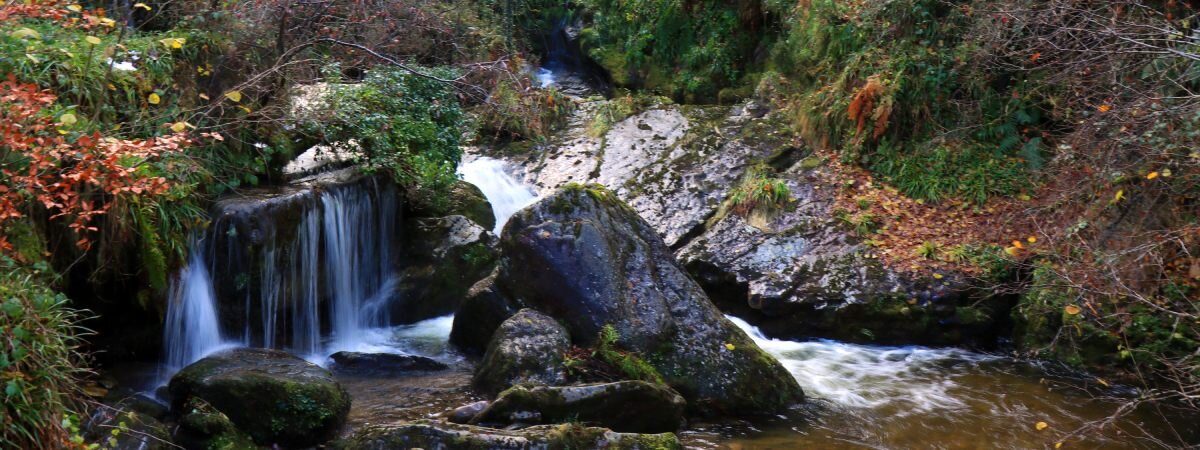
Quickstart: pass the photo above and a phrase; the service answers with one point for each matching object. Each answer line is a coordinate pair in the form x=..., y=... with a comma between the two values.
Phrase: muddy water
x=920, y=398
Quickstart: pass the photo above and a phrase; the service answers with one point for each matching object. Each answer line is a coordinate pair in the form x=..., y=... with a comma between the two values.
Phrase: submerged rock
x=436, y=435
x=274, y=397
x=481, y=313
x=627, y=406
x=584, y=257
x=382, y=363
x=527, y=348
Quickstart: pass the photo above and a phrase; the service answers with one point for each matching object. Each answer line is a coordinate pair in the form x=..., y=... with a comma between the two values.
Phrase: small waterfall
x=192, y=330
x=505, y=193
x=305, y=270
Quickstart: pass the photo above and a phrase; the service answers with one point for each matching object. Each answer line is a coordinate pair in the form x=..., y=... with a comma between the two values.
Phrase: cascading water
x=505, y=193
x=268, y=279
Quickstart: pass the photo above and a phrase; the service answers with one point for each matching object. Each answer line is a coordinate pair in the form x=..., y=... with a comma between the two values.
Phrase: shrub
x=40, y=364
x=760, y=192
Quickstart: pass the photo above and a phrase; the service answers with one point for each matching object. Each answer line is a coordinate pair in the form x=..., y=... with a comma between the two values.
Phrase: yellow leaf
x=67, y=119
x=108, y=22
x=1102, y=382
x=23, y=33
x=1152, y=175
x=179, y=127
x=1072, y=310
x=173, y=42
x=937, y=276
x=92, y=40
x=1018, y=244
x=729, y=346
x=153, y=99
x=1041, y=426
x=141, y=5
x=1058, y=445
x=234, y=96
x=1012, y=251
x=1166, y=172
x=75, y=8
x=1031, y=239
x=247, y=110
x=203, y=97
x=1119, y=195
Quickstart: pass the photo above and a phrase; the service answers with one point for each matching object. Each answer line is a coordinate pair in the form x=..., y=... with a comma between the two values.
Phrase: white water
x=544, y=77
x=913, y=380
x=506, y=194
x=340, y=250
x=192, y=329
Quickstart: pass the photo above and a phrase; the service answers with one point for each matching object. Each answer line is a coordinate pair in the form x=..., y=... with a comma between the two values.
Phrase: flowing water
x=506, y=194
x=873, y=397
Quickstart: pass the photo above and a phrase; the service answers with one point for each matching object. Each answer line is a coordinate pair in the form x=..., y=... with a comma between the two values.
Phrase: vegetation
x=607, y=362
x=760, y=192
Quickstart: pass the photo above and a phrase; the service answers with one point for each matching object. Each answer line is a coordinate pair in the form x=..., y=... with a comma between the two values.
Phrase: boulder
x=130, y=430
x=443, y=258
x=626, y=406
x=464, y=413
x=437, y=435
x=274, y=397
x=382, y=363
x=584, y=257
x=527, y=348
x=203, y=427
x=481, y=313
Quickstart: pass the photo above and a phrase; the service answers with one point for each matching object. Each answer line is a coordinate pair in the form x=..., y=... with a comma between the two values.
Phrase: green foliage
x=893, y=86
x=606, y=360
x=684, y=49
x=863, y=222
x=928, y=250
x=517, y=112
x=760, y=192
x=399, y=122
x=610, y=112
x=40, y=365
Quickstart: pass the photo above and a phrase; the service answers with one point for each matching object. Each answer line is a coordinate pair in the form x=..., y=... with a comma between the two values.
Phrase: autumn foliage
x=72, y=178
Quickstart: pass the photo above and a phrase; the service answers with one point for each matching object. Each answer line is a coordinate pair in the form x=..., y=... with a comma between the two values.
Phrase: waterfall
x=310, y=271
x=192, y=330
x=505, y=193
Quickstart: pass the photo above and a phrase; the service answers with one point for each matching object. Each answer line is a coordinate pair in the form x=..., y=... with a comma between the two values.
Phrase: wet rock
x=586, y=258
x=464, y=413
x=382, y=363
x=274, y=397
x=627, y=406
x=436, y=435
x=527, y=348
x=203, y=427
x=443, y=258
x=129, y=429
x=480, y=314
x=463, y=199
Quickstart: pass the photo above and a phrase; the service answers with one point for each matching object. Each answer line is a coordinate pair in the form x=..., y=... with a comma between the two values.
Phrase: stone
x=382, y=363
x=527, y=348
x=481, y=313
x=272, y=396
x=443, y=258
x=586, y=258
x=437, y=435
x=203, y=427
x=626, y=406
x=464, y=413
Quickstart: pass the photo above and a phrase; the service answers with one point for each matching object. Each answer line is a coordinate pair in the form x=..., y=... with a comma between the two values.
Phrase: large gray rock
x=382, y=363
x=527, y=348
x=274, y=397
x=443, y=257
x=627, y=406
x=437, y=435
x=481, y=313
x=583, y=256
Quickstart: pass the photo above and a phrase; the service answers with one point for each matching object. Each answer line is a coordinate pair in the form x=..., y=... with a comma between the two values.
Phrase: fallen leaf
x=1031, y=239
x=1072, y=310
x=1104, y=108
x=1152, y=175
x=729, y=346
x=23, y=33
x=67, y=119
x=1166, y=172
x=153, y=99
x=92, y=40
x=234, y=96
x=142, y=5
x=1118, y=196
x=74, y=8
x=1041, y=426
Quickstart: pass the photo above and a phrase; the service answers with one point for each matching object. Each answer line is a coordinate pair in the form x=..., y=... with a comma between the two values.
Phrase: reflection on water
x=922, y=398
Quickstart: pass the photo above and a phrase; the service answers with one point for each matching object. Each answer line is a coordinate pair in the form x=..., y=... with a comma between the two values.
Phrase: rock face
x=435, y=435
x=527, y=348
x=382, y=363
x=481, y=313
x=796, y=273
x=274, y=397
x=627, y=406
x=443, y=257
x=583, y=256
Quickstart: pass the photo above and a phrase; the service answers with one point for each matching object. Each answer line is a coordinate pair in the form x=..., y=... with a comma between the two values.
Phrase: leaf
x=92, y=40
x=173, y=42
x=203, y=97
x=234, y=96
x=1104, y=108
x=108, y=22
x=142, y=5
x=1152, y=175
x=1041, y=426
x=1102, y=381
x=729, y=346
x=1072, y=310
x=23, y=33
x=1031, y=239
x=12, y=388
x=74, y=8
x=1058, y=445
x=1118, y=196
x=1166, y=172
x=33, y=58
x=153, y=99
x=67, y=119
x=179, y=127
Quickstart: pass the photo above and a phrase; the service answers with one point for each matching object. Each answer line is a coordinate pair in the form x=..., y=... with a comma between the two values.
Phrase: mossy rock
x=274, y=397
x=202, y=427
x=527, y=348
x=440, y=435
x=463, y=199
x=481, y=313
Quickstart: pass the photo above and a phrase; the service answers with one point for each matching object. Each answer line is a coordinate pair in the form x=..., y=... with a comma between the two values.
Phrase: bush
x=40, y=365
